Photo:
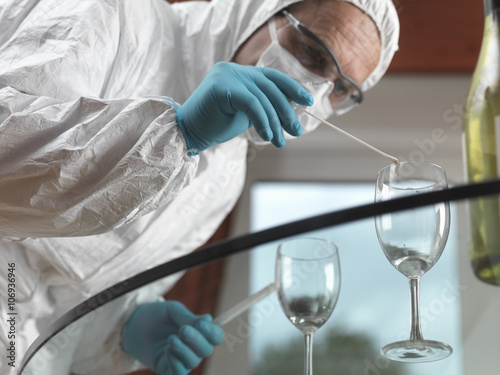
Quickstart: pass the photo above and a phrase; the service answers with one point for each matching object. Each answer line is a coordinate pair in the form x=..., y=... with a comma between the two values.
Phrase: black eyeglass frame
x=308, y=33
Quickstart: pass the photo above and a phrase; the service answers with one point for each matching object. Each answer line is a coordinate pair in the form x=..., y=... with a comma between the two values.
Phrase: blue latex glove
x=168, y=338
x=234, y=97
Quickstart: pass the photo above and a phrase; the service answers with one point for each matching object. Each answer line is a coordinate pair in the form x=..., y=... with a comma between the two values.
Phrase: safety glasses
x=318, y=58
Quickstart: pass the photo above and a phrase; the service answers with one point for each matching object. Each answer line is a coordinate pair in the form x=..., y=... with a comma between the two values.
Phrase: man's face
x=348, y=31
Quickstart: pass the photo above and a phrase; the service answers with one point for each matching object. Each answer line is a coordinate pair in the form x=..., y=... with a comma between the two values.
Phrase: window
x=373, y=308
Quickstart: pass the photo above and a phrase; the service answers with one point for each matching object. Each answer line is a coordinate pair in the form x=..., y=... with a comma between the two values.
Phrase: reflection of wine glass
x=413, y=241
x=308, y=284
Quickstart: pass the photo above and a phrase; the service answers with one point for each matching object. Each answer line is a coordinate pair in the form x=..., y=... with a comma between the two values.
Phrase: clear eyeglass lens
x=315, y=58
x=312, y=55
x=344, y=96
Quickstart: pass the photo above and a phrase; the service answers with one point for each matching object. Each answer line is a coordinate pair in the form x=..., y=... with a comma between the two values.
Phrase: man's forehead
x=335, y=17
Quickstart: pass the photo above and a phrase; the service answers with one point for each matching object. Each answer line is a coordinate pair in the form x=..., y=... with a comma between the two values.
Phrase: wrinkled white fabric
x=95, y=183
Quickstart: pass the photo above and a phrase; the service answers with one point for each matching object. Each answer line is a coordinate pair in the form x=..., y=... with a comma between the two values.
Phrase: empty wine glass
x=308, y=285
x=413, y=241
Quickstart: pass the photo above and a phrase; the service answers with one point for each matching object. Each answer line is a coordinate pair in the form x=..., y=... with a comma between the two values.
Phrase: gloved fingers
x=268, y=94
x=291, y=88
x=281, y=105
x=195, y=341
x=175, y=367
x=212, y=332
x=179, y=314
x=181, y=350
x=252, y=101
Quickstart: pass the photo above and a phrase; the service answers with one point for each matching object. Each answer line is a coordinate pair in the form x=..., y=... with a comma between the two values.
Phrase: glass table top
x=53, y=351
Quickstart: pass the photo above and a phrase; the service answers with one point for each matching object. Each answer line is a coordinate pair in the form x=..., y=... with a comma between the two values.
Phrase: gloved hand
x=168, y=338
x=234, y=97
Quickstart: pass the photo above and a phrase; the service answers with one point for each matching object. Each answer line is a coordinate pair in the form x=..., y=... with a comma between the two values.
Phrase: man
x=115, y=120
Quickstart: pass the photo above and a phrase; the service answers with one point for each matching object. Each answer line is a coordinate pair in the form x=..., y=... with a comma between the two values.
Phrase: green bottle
x=482, y=149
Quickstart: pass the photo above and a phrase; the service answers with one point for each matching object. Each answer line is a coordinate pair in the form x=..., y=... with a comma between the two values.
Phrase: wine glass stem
x=308, y=363
x=416, y=332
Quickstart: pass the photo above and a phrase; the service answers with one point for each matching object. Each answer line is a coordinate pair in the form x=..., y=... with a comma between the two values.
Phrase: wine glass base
x=416, y=351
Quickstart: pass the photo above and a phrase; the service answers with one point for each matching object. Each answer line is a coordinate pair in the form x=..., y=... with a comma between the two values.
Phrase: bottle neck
x=491, y=6
x=487, y=72
x=491, y=35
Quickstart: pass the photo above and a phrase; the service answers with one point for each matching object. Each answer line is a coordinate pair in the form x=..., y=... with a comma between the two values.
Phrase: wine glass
x=413, y=240
x=308, y=286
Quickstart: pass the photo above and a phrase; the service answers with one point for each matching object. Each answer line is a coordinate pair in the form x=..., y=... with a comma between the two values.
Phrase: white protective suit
x=95, y=182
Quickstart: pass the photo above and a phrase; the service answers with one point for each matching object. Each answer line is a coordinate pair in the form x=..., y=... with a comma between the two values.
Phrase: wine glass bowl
x=413, y=241
x=308, y=285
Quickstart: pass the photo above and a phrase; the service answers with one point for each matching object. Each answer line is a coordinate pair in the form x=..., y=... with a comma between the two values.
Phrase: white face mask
x=277, y=57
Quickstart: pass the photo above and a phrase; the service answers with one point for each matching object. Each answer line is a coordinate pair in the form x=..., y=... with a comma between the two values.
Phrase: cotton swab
x=244, y=305
x=392, y=158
